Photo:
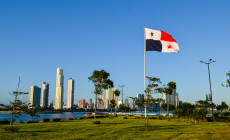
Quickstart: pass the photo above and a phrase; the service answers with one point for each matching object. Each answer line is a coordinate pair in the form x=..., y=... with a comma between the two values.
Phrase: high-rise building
x=45, y=95
x=127, y=102
x=141, y=96
x=171, y=98
x=90, y=101
x=109, y=95
x=207, y=97
x=70, y=95
x=82, y=103
x=35, y=95
x=59, y=89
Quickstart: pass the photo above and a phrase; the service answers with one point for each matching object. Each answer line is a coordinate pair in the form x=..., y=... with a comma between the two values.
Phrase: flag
x=157, y=40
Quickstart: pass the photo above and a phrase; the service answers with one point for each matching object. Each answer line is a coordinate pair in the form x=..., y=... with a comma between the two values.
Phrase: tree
x=101, y=82
x=178, y=113
x=172, y=85
x=227, y=81
x=112, y=105
x=168, y=91
x=116, y=93
x=17, y=105
x=224, y=111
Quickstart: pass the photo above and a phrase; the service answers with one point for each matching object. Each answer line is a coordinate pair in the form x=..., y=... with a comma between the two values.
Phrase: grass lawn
x=118, y=128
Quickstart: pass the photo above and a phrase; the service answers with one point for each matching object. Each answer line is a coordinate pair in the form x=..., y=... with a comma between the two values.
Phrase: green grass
x=118, y=128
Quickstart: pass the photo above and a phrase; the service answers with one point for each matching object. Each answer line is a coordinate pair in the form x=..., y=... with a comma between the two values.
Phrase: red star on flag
x=169, y=47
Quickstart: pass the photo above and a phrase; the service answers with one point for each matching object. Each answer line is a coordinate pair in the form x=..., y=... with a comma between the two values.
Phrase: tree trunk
x=147, y=118
x=115, y=114
x=168, y=106
x=226, y=122
x=95, y=108
x=111, y=111
x=161, y=108
x=175, y=102
x=12, y=114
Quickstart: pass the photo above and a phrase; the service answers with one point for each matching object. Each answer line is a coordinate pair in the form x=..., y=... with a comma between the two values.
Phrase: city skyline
x=60, y=37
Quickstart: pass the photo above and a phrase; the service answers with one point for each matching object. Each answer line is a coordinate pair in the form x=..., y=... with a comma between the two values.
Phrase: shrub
x=138, y=117
x=161, y=117
x=96, y=122
x=11, y=129
x=81, y=118
x=75, y=118
x=70, y=118
x=46, y=120
x=56, y=119
x=4, y=122
x=31, y=121
x=153, y=117
x=125, y=118
x=209, y=119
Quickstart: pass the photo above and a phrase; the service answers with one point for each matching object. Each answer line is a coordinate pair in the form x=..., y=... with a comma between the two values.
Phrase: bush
x=75, y=118
x=153, y=117
x=209, y=119
x=71, y=119
x=96, y=122
x=81, y=118
x=161, y=117
x=138, y=117
x=46, y=120
x=56, y=119
x=31, y=121
x=4, y=122
x=125, y=118
x=11, y=129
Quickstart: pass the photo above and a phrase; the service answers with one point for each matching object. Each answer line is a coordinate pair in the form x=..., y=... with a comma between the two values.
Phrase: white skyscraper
x=35, y=95
x=70, y=95
x=171, y=98
x=45, y=95
x=108, y=95
x=59, y=89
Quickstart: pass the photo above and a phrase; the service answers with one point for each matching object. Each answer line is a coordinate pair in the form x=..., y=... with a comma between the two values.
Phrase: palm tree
x=101, y=82
x=116, y=93
x=112, y=105
x=168, y=91
x=172, y=85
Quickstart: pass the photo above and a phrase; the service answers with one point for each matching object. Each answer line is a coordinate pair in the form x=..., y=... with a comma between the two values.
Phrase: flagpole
x=144, y=67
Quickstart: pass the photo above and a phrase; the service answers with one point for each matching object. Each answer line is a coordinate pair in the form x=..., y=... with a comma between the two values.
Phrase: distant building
x=45, y=95
x=171, y=99
x=70, y=94
x=59, y=89
x=35, y=95
x=126, y=102
x=208, y=98
x=108, y=96
x=82, y=103
x=119, y=103
x=140, y=96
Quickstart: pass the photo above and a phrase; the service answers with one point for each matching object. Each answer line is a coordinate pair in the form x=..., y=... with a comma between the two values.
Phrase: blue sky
x=37, y=37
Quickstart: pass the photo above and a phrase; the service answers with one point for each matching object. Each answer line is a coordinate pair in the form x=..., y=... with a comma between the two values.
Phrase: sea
x=66, y=115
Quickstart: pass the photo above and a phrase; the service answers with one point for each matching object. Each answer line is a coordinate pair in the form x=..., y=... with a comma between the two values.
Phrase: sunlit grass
x=119, y=128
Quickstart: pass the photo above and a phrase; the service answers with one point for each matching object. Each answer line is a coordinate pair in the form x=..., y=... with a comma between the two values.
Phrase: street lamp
x=209, y=62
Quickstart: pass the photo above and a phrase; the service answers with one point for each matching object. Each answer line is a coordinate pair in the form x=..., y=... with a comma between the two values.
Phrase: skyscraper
x=108, y=95
x=59, y=89
x=45, y=95
x=82, y=103
x=171, y=98
x=70, y=95
x=127, y=102
x=35, y=95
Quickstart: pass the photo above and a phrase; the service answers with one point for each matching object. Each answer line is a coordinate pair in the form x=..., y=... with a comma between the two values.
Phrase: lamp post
x=208, y=63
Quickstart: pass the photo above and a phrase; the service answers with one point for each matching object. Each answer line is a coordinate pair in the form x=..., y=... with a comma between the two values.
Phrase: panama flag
x=157, y=40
